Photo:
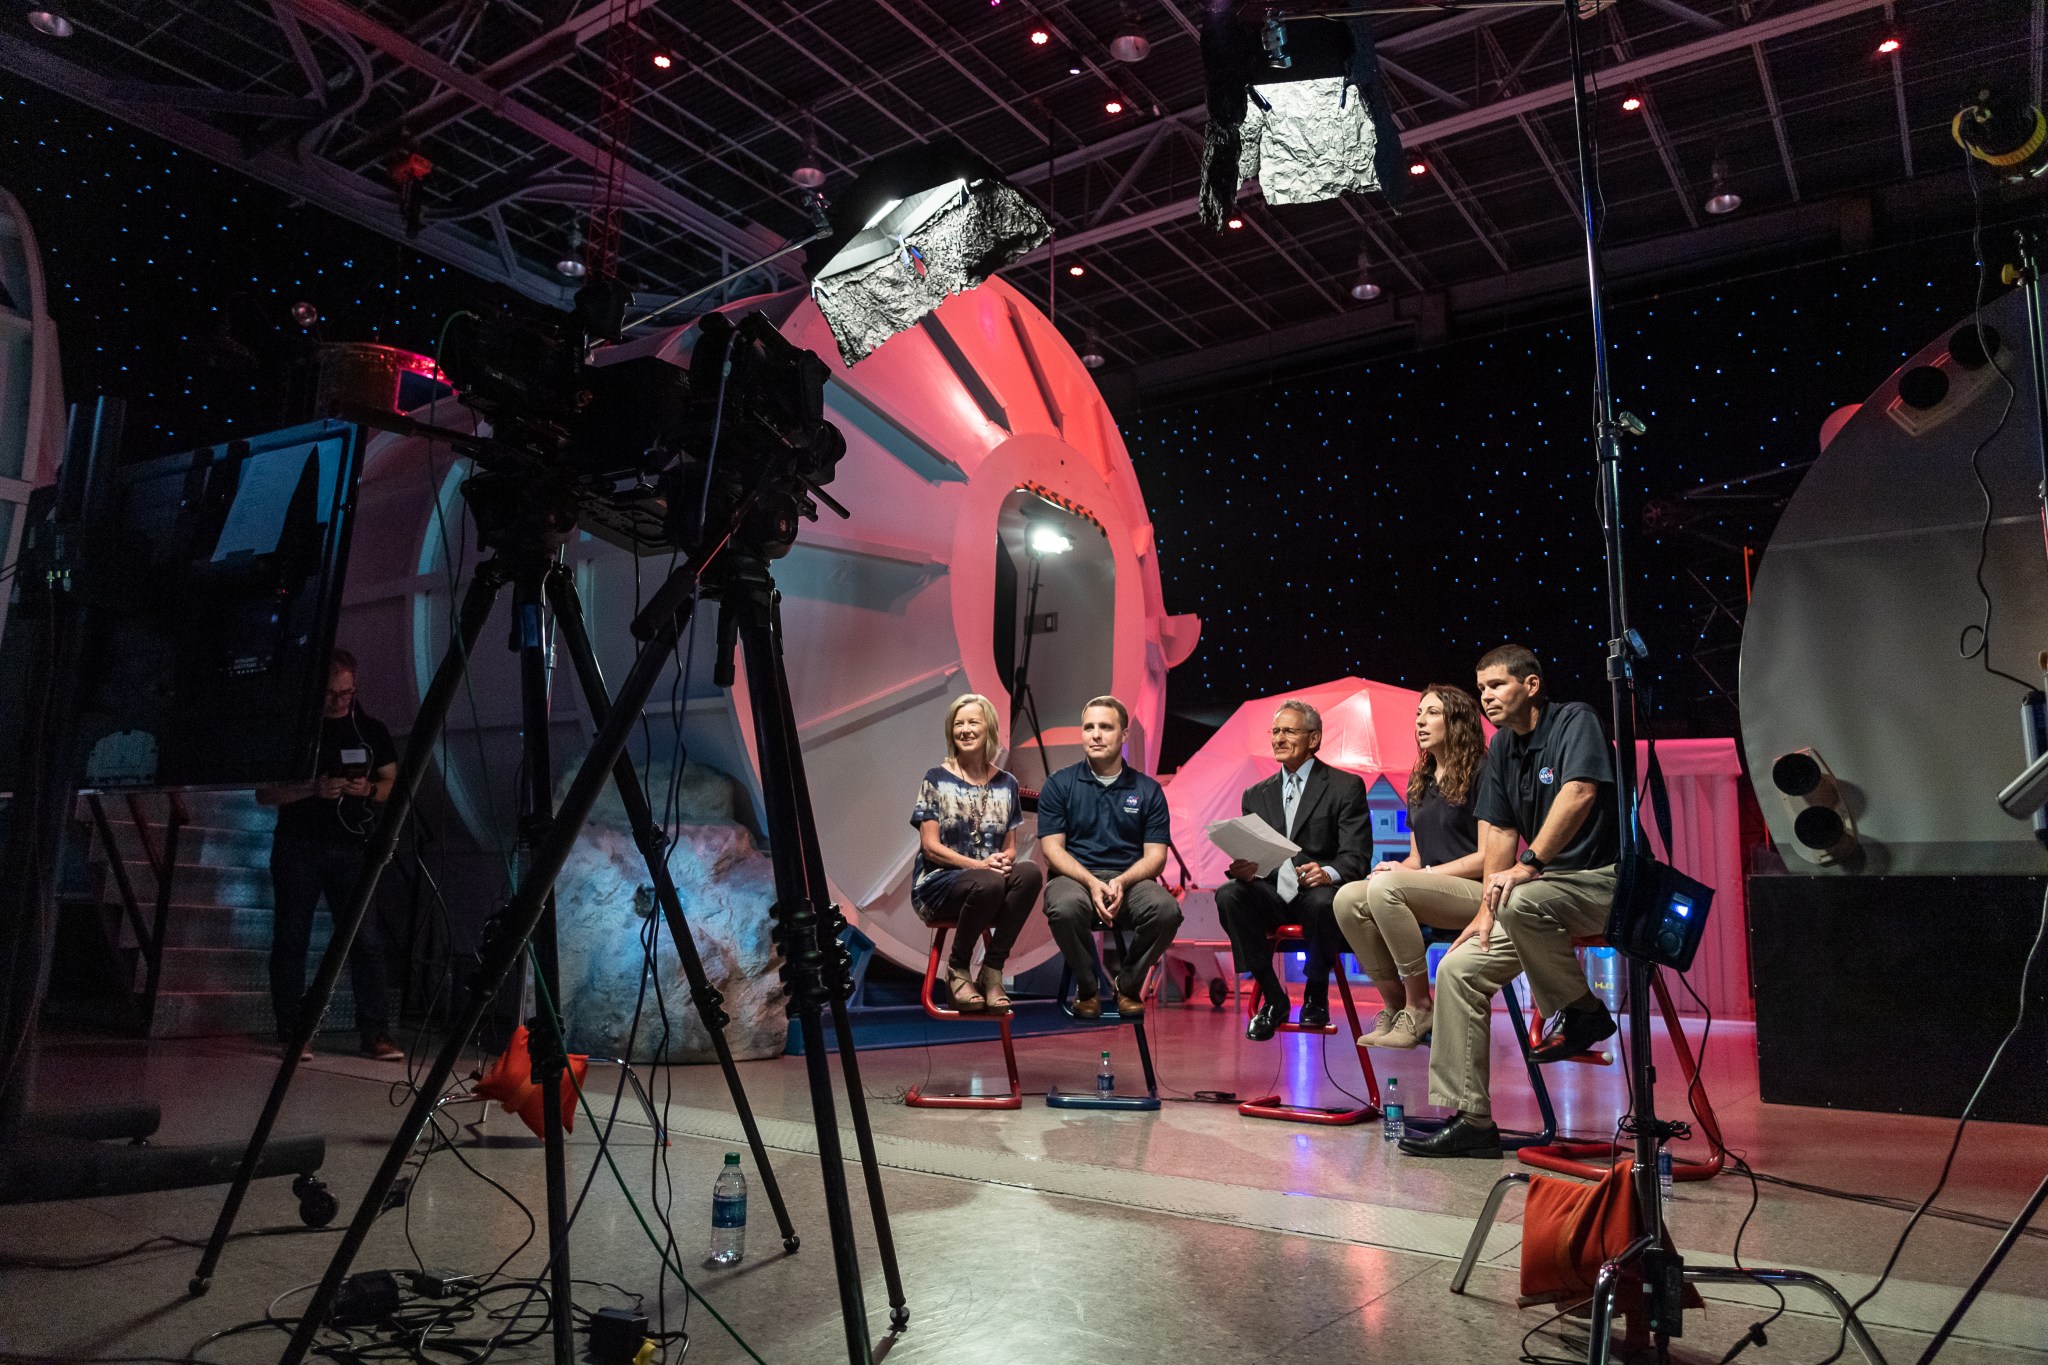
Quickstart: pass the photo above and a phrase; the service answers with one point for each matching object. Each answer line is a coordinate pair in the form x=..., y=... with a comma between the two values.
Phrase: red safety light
x=1888, y=47
x=1113, y=107
x=1237, y=222
x=1632, y=105
x=663, y=60
x=1039, y=37
x=1418, y=168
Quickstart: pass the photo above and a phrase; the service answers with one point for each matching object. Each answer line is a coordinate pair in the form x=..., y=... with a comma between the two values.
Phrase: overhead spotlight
x=1234, y=222
x=1047, y=539
x=571, y=267
x=1113, y=106
x=1418, y=168
x=49, y=23
x=1297, y=104
x=1363, y=288
x=2000, y=129
x=1077, y=271
x=1039, y=37
x=1091, y=351
x=1073, y=71
x=809, y=174
x=1130, y=44
x=1823, y=831
x=1632, y=104
x=1888, y=46
x=663, y=61
x=919, y=225
x=1720, y=198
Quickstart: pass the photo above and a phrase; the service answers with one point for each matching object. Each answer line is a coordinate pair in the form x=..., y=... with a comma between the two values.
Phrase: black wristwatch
x=1531, y=861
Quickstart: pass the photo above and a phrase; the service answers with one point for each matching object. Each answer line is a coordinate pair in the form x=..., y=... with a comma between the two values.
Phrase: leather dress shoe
x=1459, y=1137
x=1573, y=1032
x=1087, y=1005
x=1315, y=1014
x=1129, y=1006
x=1265, y=1020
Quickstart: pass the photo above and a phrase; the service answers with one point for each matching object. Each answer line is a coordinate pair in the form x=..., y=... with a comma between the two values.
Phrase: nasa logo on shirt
x=1546, y=776
x=1130, y=803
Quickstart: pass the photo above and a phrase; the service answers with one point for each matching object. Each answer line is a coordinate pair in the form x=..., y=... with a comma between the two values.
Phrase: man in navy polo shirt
x=1549, y=783
x=1103, y=828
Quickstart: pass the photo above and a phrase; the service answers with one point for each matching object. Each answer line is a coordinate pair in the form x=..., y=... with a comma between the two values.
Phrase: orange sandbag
x=510, y=1082
x=1568, y=1229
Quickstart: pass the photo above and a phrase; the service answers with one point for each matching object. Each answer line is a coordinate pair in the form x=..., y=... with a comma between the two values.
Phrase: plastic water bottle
x=729, y=1213
x=1393, y=1114
x=1105, y=1079
x=1664, y=1175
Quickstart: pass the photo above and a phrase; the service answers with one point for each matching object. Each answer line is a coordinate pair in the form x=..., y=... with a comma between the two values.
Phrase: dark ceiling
x=503, y=98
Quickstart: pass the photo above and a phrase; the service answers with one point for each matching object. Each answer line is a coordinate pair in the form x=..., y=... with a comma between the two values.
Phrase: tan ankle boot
x=966, y=998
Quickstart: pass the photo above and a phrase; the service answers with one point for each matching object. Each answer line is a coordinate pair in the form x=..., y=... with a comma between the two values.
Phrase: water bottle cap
x=1105, y=1054
x=732, y=1158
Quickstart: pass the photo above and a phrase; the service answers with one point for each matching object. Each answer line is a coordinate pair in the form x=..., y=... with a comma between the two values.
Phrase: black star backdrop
x=1392, y=519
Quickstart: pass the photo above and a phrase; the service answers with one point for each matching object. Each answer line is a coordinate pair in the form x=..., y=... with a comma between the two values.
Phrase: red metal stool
x=1565, y=1157
x=1273, y=1106
x=915, y=1095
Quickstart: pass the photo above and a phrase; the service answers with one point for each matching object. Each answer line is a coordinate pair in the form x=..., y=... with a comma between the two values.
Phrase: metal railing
x=162, y=860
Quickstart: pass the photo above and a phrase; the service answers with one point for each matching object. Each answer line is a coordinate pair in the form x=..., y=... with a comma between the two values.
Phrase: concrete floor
x=1190, y=1235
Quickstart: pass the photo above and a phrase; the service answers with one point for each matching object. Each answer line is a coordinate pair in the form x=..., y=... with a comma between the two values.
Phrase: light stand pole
x=1662, y=1272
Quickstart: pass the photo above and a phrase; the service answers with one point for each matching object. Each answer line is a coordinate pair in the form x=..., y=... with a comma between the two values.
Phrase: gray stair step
x=214, y=845
x=220, y=926
x=204, y=883
x=208, y=1014
x=220, y=969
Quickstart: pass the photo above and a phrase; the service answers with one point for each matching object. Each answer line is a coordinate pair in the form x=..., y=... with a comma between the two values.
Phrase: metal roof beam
x=1503, y=111
x=1899, y=99
x=1770, y=87
x=746, y=241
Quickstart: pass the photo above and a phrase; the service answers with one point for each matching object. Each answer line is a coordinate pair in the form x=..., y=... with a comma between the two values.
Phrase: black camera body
x=652, y=456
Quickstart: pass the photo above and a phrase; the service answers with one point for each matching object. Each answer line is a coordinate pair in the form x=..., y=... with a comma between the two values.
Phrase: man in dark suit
x=1322, y=809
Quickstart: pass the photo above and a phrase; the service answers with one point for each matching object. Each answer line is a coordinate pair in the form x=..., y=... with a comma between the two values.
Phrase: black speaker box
x=1890, y=994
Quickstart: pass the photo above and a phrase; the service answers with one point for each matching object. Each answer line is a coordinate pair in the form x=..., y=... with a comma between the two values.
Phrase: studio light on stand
x=919, y=225
x=1295, y=100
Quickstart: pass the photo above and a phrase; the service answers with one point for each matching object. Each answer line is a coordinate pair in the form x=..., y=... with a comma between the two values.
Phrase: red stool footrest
x=1276, y=1106
x=916, y=1097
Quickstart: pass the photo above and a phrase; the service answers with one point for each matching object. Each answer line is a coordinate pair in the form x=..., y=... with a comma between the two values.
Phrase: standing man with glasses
x=323, y=829
x=1322, y=809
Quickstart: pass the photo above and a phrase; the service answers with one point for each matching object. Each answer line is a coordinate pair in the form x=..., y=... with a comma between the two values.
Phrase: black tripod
x=814, y=964
x=524, y=532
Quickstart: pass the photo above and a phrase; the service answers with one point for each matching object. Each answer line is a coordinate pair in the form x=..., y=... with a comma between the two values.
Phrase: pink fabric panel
x=1703, y=776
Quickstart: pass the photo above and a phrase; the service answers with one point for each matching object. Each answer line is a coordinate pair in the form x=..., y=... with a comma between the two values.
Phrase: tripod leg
x=419, y=749
x=546, y=1048
x=654, y=848
x=830, y=925
x=804, y=959
x=505, y=939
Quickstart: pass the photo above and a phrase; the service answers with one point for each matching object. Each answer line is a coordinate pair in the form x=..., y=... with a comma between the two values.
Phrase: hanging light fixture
x=1363, y=289
x=571, y=267
x=1297, y=103
x=1091, y=350
x=49, y=23
x=921, y=223
x=1720, y=198
x=1130, y=44
x=808, y=173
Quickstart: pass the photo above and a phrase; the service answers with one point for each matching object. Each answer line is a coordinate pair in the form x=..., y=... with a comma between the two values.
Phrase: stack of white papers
x=1252, y=839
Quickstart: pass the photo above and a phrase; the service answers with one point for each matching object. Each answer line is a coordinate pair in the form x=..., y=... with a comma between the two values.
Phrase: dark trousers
x=1149, y=915
x=302, y=871
x=986, y=902
x=1252, y=910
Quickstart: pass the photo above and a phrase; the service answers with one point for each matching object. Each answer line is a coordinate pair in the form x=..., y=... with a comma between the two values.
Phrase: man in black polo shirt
x=1549, y=780
x=323, y=827
x=1104, y=828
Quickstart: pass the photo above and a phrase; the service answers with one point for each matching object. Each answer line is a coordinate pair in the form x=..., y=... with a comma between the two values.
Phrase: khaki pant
x=1532, y=933
x=1382, y=918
